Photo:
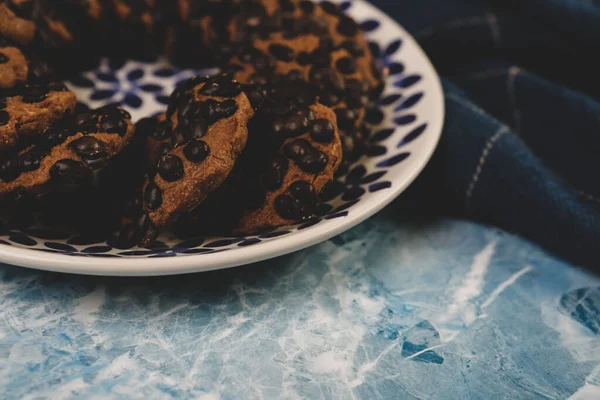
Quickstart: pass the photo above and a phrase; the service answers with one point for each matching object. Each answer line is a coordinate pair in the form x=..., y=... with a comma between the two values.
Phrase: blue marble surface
x=394, y=308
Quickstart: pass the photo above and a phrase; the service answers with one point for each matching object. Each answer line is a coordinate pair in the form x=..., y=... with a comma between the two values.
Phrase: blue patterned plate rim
x=409, y=121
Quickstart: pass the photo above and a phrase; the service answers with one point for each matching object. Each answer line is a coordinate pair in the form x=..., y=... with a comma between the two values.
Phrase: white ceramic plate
x=408, y=123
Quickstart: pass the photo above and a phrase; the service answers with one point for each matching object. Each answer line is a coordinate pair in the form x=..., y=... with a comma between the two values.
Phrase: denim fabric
x=521, y=143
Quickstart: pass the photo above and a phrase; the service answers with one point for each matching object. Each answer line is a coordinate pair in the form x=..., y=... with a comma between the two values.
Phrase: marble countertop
x=394, y=308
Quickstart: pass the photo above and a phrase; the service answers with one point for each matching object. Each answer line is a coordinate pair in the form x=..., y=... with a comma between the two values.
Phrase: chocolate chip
x=308, y=158
x=295, y=125
x=346, y=65
x=196, y=151
x=295, y=76
x=90, y=149
x=275, y=174
x=34, y=94
x=113, y=123
x=330, y=8
x=58, y=87
x=304, y=58
x=170, y=168
x=304, y=192
x=329, y=99
x=307, y=6
x=152, y=196
x=287, y=208
x=354, y=48
x=215, y=110
x=281, y=52
x=347, y=27
x=3, y=58
x=256, y=98
x=163, y=149
x=346, y=117
x=2, y=104
x=287, y=6
x=86, y=123
x=9, y=169
x=264, y=63
x=222, y=86
x=4, y=118
x=322, y=131
x=198, y=128
x=30, y=161
x=69, y=171
x=163, y=130
x=327, y=79
x=146, y=127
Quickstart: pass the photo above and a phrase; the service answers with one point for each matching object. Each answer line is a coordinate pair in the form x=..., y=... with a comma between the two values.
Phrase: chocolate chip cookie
x=67, y=152
x=26, y=111
x=207, y=120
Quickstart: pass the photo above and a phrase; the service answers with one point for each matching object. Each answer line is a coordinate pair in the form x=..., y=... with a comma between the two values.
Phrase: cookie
x=16, y=21
x=19, y=67
x=157, y=132
x=139, y=28
x=67, y=152
x=331, y=73
x=26, y=111
x=208, y=118
x=293, y=151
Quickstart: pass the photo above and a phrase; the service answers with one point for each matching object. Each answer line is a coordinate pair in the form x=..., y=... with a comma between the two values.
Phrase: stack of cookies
x=244, y=151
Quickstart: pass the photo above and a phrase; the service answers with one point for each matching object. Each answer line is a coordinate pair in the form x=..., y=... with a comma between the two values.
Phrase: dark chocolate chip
x=354, y=48
x=4, y=117
x=69, y=171
x=196, y=151
x=152, y=196
x=308, y=158
x=215, y=110
x=322, y=131
x=146, y=127
x=346, y=117
x=9, y=169
x=281, y=52
x=34, y=94
x=90, y=149
x=287, y=208
x=58, y=87
x=287, y=6
x=327, y=79
x=170, y=168
x=113, y=123
x=347, y=26
x=163, y=130
x=295, y=125
x=3, y=58
x=330, y=8
x=329, y=99
x=273, y=177
x=163, y=149
x=346, y=65
x=29, y=161
x=304, y=58
x=304, y=192
x=307, y=6
x=2, y=104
